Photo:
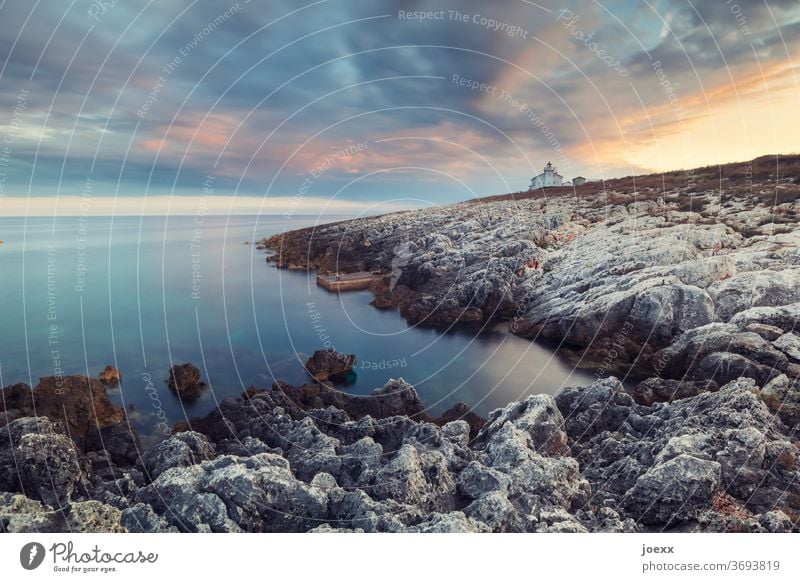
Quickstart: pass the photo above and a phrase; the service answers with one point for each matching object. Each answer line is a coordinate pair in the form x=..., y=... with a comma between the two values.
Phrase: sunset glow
x=459, y=105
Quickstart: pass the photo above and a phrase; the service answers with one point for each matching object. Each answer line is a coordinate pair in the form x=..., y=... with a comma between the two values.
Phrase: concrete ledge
x=348, y=282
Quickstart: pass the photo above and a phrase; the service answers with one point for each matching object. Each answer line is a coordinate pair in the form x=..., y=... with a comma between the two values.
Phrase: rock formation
x=692, y=288
x=184, y=380
x=629, y=276
x=110, y=376
x=329, y=364
x=590, y=459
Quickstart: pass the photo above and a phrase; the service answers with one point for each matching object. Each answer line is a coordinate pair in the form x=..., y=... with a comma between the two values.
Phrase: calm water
x=142, y=294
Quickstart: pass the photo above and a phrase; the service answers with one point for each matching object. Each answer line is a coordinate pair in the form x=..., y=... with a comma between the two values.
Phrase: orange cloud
x=752, y=114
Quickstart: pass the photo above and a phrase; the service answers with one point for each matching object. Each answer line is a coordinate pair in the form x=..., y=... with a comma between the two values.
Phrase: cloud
x=150, y=98
x=190, y=205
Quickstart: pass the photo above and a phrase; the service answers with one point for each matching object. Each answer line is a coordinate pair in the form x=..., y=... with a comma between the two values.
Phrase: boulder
x=414, y=478
x=184, y=380
x=329, y=364
x=396, y=398
x=140, y=518
x=784, y=317
x=657, y=389
x=79, y=403
x=789, y=344
x=38, y=460
x=19, y=514
x=768, y=332
x=694, y=447
x=461, y=411
x=673, y=492
x=478, y=480
x=257, y=494
x=782, y=396
x=120, y=441
x=720, y=352
x=762, y=288
x=179, y=450
x=110, y=376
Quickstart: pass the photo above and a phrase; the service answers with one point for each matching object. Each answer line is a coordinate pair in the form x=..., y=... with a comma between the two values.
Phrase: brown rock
x=327, y=364
x=184, y=380
x=461, y=411
x=81, y=404
x=110, y=376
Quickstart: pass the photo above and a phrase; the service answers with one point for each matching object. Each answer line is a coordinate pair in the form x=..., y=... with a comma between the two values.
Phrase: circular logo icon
x=31, y=555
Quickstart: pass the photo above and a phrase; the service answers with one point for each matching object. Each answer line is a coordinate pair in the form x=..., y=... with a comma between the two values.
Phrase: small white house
x=579, y=180
x=549, y=177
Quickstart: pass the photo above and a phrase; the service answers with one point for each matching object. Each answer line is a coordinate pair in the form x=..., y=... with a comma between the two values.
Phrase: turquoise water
x=145, y=293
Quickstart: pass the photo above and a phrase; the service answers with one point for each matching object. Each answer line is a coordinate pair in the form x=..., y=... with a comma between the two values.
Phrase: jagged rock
x=311, y=451
x=184, y=380
x=617, y=442
x=478, y=480
x=227, y=494
x=742, y=461
x=789, y=344
x=18, y=514
x=140, y=518
x=763, y=288
x=720, y=352
x=538, y=420
x=603, y=406
x=120, y=441
x=768, y=332
x=395, y=398
x=498, y=513
x=180, y=450
x=327, y=364
x=782, y=396
x=454, y=522
x=457, y=431
x=775, y=522
x=655, y=390
x=461, y=411
x=361, y=462
x=674, y=491
x=81, y=404
x=39, y=461
x=110, y=376
x=716, y=461
x=414, y=478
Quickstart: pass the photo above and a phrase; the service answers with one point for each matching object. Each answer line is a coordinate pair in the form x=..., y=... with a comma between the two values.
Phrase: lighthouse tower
x=549, y=177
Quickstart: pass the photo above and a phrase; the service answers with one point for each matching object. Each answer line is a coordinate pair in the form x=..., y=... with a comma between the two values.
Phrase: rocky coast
x=691, y=289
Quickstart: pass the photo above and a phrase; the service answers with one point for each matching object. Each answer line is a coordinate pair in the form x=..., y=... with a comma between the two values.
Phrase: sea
x=145, y=293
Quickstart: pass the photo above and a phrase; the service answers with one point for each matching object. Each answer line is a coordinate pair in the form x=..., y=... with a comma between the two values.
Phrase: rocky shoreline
x=693, y=292
x=295, y=459
x=623, y=268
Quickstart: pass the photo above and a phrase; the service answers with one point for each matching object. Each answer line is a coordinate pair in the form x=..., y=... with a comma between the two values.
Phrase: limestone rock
x=110, y=376
x=674, y=491
x=327, y=364
x=184, y=380
x=39, y=461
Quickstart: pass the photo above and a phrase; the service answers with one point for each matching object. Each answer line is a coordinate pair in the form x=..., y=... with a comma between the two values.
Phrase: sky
x=342, y=106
